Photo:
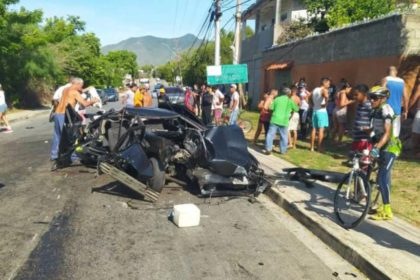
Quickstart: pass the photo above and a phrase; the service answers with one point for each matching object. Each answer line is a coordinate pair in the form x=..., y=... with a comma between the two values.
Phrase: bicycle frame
x=356, y=168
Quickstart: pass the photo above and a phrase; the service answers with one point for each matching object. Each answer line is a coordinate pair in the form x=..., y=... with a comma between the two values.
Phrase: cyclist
x=386, y=146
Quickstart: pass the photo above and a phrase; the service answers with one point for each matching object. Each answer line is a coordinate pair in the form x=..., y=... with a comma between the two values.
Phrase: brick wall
x=360, y=53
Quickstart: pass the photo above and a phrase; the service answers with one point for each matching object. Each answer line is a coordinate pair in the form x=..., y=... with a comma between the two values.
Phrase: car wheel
x=157, y=182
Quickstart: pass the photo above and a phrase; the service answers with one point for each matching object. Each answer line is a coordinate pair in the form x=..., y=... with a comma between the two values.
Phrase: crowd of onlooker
x=296, y=112
x=213, y=104
x=375, y=129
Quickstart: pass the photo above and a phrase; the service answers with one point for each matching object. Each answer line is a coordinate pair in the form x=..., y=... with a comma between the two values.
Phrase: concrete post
x=217, y=34
x=277, y=26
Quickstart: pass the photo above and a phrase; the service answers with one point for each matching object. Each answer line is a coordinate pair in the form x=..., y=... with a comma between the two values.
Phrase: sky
x=116, y=20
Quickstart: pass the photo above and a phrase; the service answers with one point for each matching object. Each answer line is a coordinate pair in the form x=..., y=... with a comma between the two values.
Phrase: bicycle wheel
x=245, y=125
x=352, y=200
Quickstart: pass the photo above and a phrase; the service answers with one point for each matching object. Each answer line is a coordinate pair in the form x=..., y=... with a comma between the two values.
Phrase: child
x=361, y=139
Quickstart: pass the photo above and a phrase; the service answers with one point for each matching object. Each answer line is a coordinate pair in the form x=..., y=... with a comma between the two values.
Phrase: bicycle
x=353, y=197
x=244, y=124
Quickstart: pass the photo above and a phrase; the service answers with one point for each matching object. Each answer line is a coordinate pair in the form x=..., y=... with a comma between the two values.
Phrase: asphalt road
x=71, y=225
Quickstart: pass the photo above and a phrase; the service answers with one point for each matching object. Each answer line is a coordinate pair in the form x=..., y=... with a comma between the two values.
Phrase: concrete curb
x=28, y=115
x=358, y=259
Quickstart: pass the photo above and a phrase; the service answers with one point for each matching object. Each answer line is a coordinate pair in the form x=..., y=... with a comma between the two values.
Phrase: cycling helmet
x=378, y=91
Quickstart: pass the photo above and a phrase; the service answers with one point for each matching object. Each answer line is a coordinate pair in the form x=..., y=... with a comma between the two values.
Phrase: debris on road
x=186, y=215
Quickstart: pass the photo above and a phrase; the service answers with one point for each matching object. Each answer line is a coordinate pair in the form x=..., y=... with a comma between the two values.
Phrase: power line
x=201, y=30
x=230, y=20
x=234, y=7
x=226, y=4
x=175, y=18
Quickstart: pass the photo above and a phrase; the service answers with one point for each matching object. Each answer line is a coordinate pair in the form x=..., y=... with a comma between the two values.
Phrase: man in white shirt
x=234, y=105
x=129, y=95
x=218, y=98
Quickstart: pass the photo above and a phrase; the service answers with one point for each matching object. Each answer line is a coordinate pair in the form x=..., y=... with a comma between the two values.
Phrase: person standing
x=265, y=114
x=129, y=95
x=386, y=146
x=196, y=95
x=304, y=108
x=319, y=99
x=340, y=112
x=3, y=110
x=281, y=109
x=294, y=120
x=189, y=100
x=148, y=99
x=361, y=139
x=415, y=137
x=398, y=98
x=218, y=98
x=56, y=98
x=234, y=105
x=206, y=105
x=71, y=95
x=138, y=96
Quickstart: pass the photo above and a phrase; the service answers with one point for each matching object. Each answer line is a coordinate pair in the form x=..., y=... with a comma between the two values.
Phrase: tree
x=36, y=57
x=317, y=10
x=193, y=66
x=294, y=31
x=124, y=61
x=325, y=14
x=346, y=11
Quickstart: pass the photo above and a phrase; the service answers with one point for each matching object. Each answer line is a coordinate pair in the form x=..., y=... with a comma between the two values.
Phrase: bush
x=294, y=31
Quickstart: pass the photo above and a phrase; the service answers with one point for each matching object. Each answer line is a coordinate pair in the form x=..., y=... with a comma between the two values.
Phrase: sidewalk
x=25, y=114
x=381, y=250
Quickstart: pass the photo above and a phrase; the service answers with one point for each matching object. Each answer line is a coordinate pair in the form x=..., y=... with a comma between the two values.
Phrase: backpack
x=394, y=145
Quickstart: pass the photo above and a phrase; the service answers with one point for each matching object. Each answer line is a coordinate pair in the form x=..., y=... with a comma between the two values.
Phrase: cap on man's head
x=234, y=86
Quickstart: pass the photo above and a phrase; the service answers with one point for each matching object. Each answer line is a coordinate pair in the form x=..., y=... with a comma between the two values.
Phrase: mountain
x=154, y=50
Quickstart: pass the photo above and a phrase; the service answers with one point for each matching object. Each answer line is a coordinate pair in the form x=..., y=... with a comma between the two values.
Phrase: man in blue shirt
x=398, y=98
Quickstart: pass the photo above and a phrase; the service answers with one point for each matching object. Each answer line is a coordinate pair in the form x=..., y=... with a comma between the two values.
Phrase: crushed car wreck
x=143, y=147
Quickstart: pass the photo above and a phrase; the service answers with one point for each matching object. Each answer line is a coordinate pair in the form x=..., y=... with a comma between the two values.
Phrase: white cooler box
x=186, y=215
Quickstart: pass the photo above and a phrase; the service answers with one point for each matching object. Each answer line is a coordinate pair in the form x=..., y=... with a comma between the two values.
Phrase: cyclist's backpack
x=394, y=145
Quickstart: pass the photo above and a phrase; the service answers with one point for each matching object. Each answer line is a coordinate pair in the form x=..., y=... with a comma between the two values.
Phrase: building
x=360, y=53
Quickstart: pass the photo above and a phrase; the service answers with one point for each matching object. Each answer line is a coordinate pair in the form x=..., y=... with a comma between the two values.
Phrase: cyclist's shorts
x=320, y=119
x=359, y=146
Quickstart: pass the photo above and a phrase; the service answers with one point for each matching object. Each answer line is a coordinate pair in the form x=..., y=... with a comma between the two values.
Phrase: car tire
x=157, y=182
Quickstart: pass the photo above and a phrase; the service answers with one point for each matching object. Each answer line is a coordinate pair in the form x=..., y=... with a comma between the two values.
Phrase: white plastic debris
x=186, y=215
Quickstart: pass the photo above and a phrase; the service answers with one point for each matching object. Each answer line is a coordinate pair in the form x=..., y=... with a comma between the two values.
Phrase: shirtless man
x=294, y=119
x=320, y=121
x=415, y=103
x=71, y=95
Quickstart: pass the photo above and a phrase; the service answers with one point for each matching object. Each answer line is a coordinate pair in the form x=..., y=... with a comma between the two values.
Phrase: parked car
x=112, y=94
x=175, y=95
x=103, y=96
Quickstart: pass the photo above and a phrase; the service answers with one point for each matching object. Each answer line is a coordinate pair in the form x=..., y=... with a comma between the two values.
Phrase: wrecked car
x=145, y=147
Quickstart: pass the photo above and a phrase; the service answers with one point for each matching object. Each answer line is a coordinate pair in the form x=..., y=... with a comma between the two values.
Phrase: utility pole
x=237, y=48
x=218, y=15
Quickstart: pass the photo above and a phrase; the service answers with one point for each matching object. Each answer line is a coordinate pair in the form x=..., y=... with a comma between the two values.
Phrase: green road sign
x=227, y=74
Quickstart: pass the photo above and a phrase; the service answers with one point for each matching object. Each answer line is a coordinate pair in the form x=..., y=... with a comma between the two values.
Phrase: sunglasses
x=374, y=98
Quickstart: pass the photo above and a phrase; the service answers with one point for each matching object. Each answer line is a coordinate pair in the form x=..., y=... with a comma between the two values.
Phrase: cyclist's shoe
x=384, y=215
